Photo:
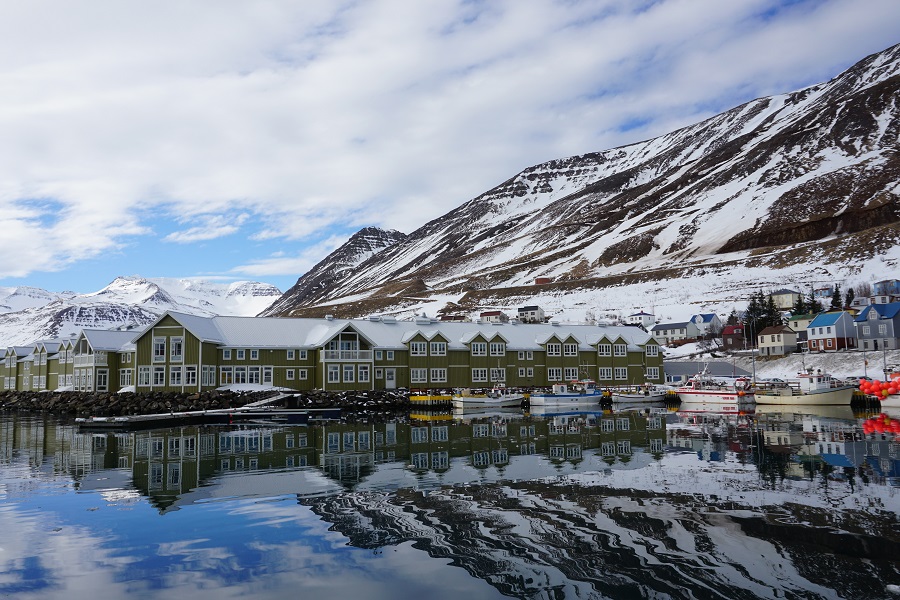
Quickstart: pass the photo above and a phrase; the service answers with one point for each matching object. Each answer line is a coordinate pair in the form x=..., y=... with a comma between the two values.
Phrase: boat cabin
x=586, y=386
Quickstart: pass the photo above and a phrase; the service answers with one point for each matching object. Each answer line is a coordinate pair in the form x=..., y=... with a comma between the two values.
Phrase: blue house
x=878, y=326
x=831, y=331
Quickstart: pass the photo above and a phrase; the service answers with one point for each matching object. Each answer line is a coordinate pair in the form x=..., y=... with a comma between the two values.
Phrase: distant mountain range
x=796, y=189
x=28, y=314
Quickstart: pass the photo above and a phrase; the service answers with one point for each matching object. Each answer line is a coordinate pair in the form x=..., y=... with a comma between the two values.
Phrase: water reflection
x=649, y=502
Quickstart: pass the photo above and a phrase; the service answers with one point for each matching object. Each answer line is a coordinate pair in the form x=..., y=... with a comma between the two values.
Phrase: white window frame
x=418, y=376
x=570, y=373
x=651, y=350
x=159, y=349
x=554, y=373
x=176, y=376
x=498, y=348
x=349, y=373
x=479, y=375
x=620, y=349
x=226, y=354
x=176, y=349
x=334, y=373
x=438, y=375
x=621, y=373
x=570, y=349
x=289, y=375
x=190, y=375
x=478, y=348
x=554, y=349
x=362, y=374
x=438, y=348
x=418, y=348
x=605, y=373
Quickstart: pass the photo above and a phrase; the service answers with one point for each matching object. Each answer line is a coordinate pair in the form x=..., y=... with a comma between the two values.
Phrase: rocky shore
x=83, y=404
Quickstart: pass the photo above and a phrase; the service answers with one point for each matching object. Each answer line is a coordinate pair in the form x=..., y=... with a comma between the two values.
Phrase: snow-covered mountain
x=30, y=314
x=796, y=189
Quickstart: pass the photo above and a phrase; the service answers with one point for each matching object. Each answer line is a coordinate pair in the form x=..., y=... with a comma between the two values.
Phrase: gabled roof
x=660, y=326
x=732, y=329
x=109, y=340
x=706, y=317
x=640, y=314
x=825, y=319
x=783, y=291
x=885, y=311
x=775, y=329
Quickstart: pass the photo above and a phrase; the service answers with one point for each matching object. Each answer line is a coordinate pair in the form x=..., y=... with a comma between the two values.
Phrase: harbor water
x=627, y=502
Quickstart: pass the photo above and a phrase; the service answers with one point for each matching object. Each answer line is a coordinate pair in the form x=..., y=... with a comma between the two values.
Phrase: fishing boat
x=498, y=397
x=705, y=389
x=806, y=389
x=639, y=393
x=579, y=392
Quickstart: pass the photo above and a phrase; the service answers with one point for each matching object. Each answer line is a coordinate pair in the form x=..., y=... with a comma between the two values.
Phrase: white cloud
x=310, y=115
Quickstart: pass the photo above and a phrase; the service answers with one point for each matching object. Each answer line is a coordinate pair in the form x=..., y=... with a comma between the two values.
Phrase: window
x=302, y=374
x=379, y=355
x=240, y=375
x=570, y=349
x=521, y=371
x=102, y=380
x=254, y=355
x=498, y=374
x=253, y=375
x=418, y=375
x=159, y=376
x=301, y=354
x=478, y=348
x=418, y=349
x=652, y=373
x=554, y=349
x=498, y=349
x=621, y=373
x=226, y=354
x=190, y=375
x=529, y=372
x=521, y=355
x=529, y=355
x=619, y=349
x=439, y=375
x=479, y=375
x=828, y=343
x=143, y=377
x=379, y=373
x=363, y=372
x=389, y=355
x=570, y=373
x=882, y=329
x=554, y=374
x=125, y=377
x=290, y=355
x=239, y=354
x=866, y=330
x=439, y=348
x=267, y=375
x=289, y=375
x=651, y=350
x=159, y=349
x=605, y=373
x=176, y=349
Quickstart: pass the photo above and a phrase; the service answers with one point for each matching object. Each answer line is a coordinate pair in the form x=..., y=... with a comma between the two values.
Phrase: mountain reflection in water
x=646, y=503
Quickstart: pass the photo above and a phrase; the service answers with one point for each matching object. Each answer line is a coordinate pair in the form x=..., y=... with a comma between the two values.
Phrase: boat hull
x=564, y=400
x=638, y=397
x=471, y=402
x=793, y=397
x=715, y=397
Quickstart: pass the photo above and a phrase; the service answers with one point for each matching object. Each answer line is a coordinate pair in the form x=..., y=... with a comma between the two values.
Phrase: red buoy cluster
x=881, y=424
x=880, y=389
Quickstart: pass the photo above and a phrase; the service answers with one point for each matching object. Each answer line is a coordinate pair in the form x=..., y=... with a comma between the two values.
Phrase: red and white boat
x=705, y=389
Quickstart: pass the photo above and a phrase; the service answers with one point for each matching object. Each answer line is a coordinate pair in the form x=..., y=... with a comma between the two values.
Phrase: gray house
x=878, y=327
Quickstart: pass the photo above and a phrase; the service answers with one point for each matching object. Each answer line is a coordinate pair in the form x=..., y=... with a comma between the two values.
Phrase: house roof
x=706, y=317
x=885, y=311
x=775, y=329
x=525, y=308
x=640, y=314
x=809, y=316
x=270, y=332
x=824, y=319
x=732, y=329
x=661, y=326
x=110, y=340
x=783, y=291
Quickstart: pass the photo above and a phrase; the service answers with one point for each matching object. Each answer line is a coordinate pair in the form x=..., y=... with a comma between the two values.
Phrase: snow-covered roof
x=664, y=326
x=281, y=332
x=110, y=340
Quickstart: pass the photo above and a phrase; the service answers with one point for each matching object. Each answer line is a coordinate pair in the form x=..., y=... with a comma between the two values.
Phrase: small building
x=531, y=314
x=733, y=337
x=878, y=327
x=800, y=323
x=708, y=325
x=454, y=318
x=673, y=333
x=777, y=340
x=831, y=331
x=543, y=280
x=641, y=318
x=494, y=316
x=785, y=299
x=888, y=287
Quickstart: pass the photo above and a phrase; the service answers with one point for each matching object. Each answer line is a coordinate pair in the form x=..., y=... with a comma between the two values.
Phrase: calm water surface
x=610, y=504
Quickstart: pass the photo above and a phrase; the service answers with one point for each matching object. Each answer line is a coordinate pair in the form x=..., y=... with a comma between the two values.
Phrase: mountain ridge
x=787, y=185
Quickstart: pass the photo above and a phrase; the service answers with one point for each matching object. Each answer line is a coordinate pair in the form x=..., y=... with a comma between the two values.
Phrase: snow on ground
x=844, y=364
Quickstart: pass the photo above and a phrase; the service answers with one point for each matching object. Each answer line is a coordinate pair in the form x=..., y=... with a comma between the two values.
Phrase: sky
x=233, y=140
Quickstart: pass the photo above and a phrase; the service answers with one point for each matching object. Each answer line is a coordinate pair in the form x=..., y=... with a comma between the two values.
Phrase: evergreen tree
x=848, y=299
x=732, y=318
x=771, y=314
x=800, y=306
x=836, y=298
x=813, y=304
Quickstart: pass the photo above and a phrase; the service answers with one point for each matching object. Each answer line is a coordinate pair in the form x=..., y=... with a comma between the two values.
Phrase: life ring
x=742, y=383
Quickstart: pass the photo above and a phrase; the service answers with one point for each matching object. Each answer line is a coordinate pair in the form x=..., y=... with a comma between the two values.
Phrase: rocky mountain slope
x=30, y=314
x=792, y=189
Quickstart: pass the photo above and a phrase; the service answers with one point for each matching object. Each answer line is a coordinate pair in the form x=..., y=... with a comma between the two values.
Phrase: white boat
x=705, y=389
x=806, y=389
x=581, y=392
x=639, y=393
x=498, y=397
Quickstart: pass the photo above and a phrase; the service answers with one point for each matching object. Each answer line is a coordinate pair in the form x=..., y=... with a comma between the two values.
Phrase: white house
x=667, y=333
x=707, y=324
x=777, y=340
x=642, y=318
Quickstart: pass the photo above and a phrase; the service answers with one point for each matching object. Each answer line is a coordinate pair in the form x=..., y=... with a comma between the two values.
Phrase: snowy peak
x=361, y=248
x=132, y=300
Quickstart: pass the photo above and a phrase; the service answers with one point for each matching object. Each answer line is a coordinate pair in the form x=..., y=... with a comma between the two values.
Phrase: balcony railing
x=346, y=355
x=98, y=359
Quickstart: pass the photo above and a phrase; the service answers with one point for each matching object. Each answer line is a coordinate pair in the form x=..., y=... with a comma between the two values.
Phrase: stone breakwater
x=84, y=404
